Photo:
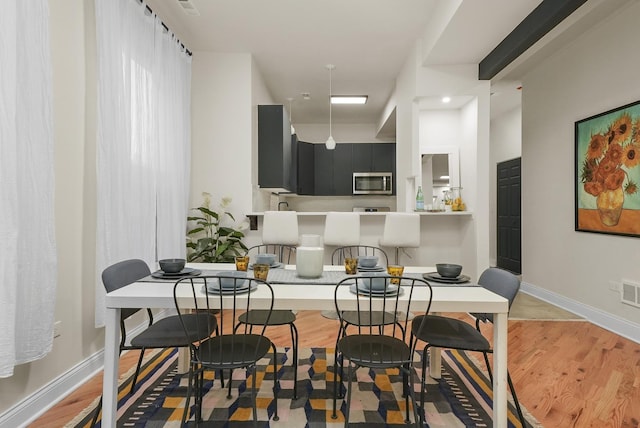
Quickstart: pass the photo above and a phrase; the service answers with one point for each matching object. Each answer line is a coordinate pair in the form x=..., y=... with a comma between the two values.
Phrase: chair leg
x=294, y=345
x=335, y=383
x=348, y=405
x=423, y=415
x=135, y=375
x=515, y=400
x=254, y=396
x=276, y=386
x=513, y=390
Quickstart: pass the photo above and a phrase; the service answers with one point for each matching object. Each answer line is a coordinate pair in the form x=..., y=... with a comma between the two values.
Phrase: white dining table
x=304, y=296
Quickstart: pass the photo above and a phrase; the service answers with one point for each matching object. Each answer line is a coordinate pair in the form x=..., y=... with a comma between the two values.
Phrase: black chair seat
x=259, y=316
x=443, y=332
x=232, y=350
x=384, y=352
x=168, y=332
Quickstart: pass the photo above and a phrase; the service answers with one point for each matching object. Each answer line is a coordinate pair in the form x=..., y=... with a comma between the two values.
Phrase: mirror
x=438, y=163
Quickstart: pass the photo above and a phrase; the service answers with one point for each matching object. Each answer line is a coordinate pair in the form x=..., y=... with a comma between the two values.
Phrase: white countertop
x=380, y=213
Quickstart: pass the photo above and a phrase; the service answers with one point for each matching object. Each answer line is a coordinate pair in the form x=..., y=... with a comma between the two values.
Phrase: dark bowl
x=172, y=265
x=448, y=270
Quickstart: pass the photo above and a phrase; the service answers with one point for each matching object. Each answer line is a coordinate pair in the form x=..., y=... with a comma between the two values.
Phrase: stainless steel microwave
x=372, y=183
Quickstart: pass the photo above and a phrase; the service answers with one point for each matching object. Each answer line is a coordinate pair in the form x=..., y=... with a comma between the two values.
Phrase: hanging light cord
x=330, y=68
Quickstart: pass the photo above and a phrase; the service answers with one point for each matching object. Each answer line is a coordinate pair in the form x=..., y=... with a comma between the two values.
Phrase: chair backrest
x=369, y=304
x=342, y=228
x=124, y=273
x=355, y=251
x=501, y=282
x=401, y=230
x=284, y=253
x=280, y=227
x=238, y=296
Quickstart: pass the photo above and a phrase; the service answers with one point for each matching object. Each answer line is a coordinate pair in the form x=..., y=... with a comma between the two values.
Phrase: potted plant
x=213, y=239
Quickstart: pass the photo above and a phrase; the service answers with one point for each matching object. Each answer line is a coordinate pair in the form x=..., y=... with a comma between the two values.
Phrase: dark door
x=509, y=247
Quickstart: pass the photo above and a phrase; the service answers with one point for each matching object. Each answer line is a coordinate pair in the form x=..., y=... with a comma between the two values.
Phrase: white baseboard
x=595, y=316
x=36, y=404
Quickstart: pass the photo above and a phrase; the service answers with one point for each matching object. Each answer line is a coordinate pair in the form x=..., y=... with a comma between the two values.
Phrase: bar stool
x=341, y=229
x=279, y=228
x=401, y=230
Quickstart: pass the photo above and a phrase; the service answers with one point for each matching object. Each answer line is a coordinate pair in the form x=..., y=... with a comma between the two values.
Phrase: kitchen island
x=445, y=237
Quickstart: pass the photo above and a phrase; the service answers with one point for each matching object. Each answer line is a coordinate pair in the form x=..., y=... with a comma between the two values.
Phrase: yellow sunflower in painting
x=610, y=155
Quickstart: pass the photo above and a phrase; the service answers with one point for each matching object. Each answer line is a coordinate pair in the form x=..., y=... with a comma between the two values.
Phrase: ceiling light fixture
x=349, y=99
x=330, y=143
x=446, y=99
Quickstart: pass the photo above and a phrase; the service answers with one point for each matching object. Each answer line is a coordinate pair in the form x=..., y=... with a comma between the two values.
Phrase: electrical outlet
x=57, y=326
x=614, y=286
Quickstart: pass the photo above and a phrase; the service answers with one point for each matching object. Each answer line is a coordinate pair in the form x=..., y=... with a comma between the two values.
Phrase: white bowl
x=265, y=259
x=236, y=280
x=379, y=281
x=368, y=261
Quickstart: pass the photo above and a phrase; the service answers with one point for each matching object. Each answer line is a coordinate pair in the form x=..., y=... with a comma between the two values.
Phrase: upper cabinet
x=275, y=149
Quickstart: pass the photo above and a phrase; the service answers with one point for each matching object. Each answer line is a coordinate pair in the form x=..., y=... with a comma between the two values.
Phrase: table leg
x=500, y=324
x=435, y=363
x=111, y=361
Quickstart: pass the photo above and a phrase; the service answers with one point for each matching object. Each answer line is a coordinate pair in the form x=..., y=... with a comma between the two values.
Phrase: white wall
x=221, y=128
x=595, y=73
x=506, y=144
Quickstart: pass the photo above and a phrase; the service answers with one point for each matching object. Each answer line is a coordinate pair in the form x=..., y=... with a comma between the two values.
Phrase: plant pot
x=609, y=204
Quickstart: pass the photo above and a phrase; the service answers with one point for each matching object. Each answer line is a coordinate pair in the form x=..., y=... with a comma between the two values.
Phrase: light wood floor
x=566, y=373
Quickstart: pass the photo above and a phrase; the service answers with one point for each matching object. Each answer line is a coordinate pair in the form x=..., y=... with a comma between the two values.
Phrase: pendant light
x=293, y=130
x=330, y=143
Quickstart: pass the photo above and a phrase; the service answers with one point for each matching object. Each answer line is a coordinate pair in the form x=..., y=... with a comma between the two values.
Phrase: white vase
x=309, y=258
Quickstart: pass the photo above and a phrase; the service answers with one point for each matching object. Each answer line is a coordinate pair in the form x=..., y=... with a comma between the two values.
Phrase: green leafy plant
x=211, y=241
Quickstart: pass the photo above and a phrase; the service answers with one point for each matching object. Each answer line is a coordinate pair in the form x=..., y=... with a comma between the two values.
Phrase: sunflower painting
x=608, y=172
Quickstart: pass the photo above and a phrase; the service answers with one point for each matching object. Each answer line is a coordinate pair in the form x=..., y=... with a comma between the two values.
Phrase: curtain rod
x=167, y=28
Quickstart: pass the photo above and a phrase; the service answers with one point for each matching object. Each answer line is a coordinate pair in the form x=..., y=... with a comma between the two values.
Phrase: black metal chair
x=451, y=333
x=354, y=251
x=234, y=347
x=375, y=346
x=165, y=333
x=284, y=254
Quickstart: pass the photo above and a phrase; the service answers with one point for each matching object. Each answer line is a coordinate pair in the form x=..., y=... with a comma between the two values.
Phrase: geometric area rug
x=461, y=398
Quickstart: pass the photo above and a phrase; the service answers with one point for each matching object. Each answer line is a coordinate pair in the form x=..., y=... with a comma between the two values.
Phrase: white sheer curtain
x=28, y=265
x=143, y=139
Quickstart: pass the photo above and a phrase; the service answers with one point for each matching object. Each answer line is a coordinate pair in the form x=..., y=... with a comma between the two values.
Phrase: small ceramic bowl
x=265, y=259
x=448, y=270
x=379, y=281
x=235, y=281
x=172, y=265
x=368, y=261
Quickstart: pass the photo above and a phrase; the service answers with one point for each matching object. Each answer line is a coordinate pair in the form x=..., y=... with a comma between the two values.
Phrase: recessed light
x=446, y=99
x=349, y=99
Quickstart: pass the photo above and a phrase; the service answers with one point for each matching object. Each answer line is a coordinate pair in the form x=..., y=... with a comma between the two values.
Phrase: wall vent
x=630, y=293
x=188, y=7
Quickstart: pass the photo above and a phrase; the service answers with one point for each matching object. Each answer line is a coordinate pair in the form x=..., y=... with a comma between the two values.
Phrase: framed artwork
x=607, y=167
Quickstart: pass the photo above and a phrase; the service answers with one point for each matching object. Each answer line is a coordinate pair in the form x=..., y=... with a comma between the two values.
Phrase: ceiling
x=368, y=41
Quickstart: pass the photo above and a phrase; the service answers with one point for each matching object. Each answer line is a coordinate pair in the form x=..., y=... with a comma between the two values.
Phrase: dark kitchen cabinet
x=362, y=157
x=383, y=157
x=306, y=168
x=274, y=147
x=323, y=170
x=343, y=170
